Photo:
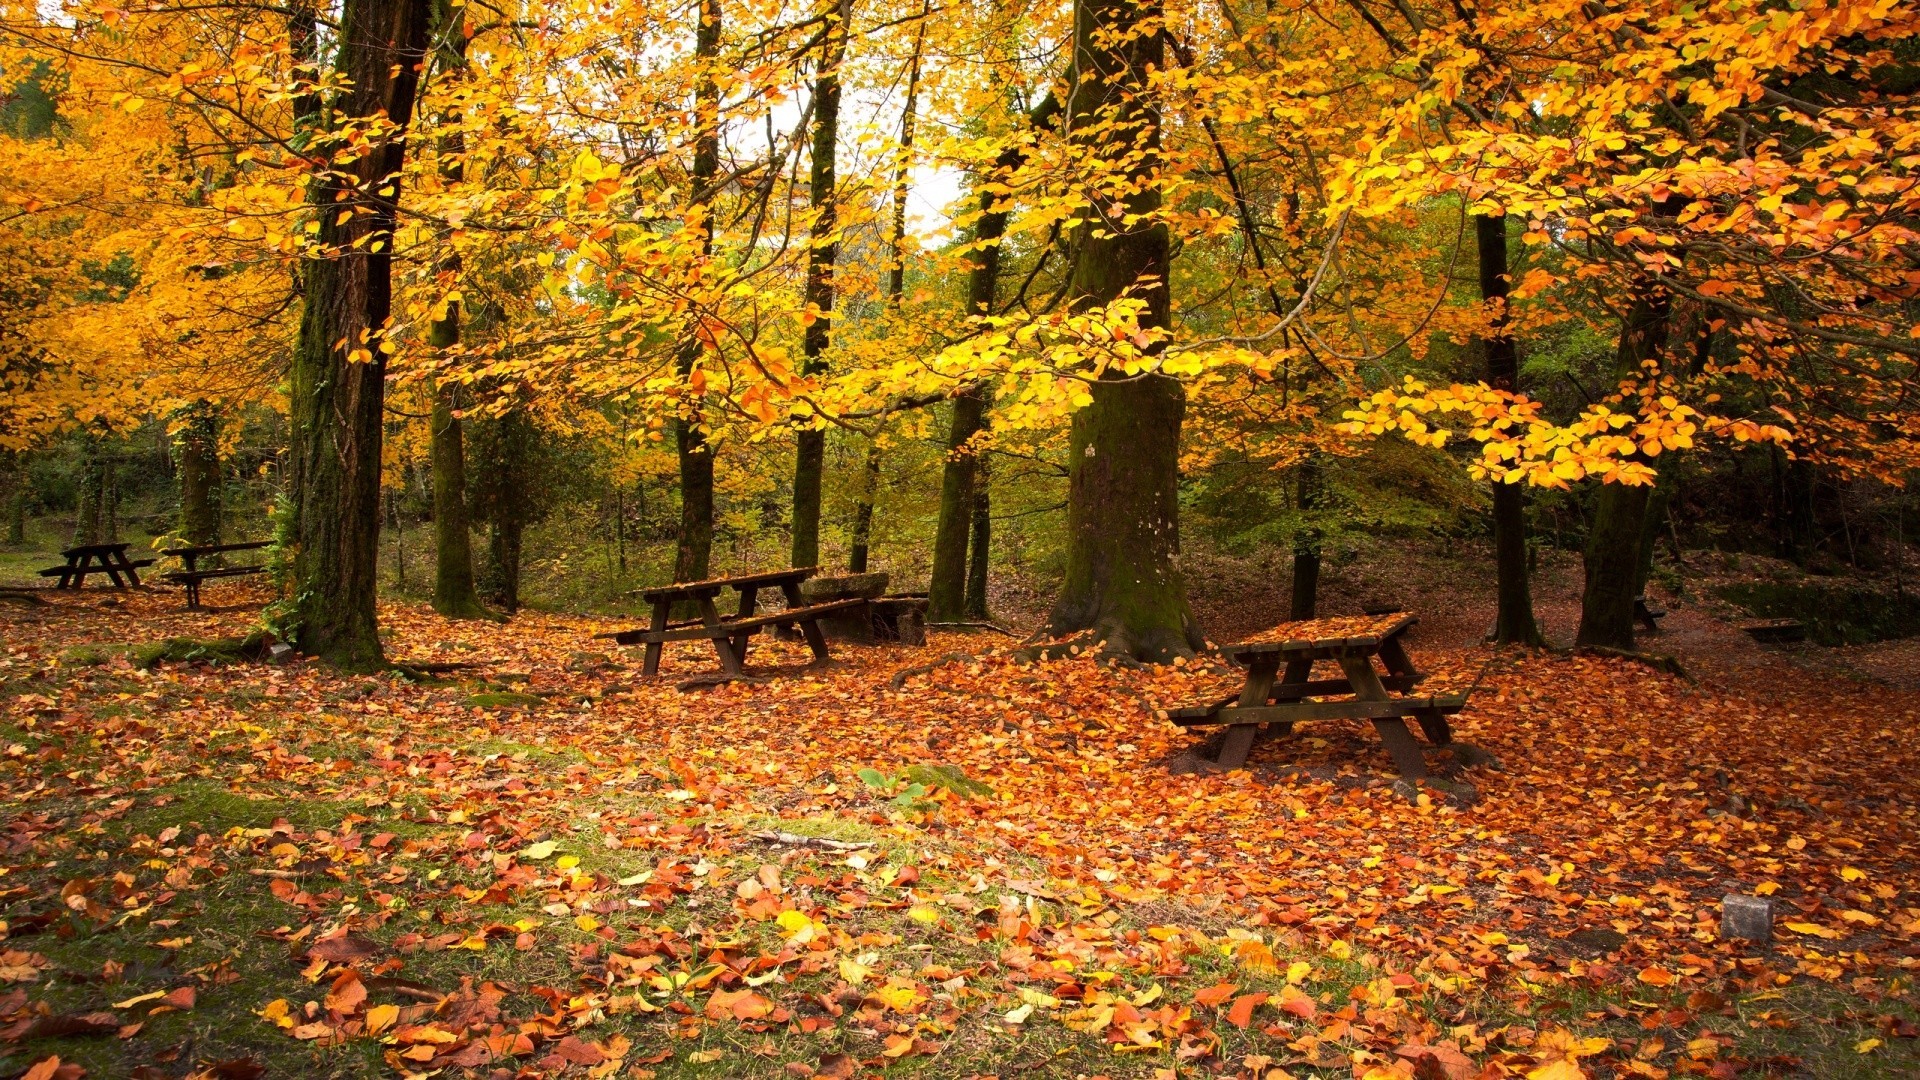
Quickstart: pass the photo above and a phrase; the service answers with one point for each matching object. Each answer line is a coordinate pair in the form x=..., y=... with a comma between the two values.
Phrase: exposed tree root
x=1656, y=661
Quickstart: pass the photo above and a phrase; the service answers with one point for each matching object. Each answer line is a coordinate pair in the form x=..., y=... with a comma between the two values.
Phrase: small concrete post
x=1749, y=918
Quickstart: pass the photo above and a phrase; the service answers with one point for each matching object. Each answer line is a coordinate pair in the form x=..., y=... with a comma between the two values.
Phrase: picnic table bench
x=193, y=575
x=108, y=559
x=730, y=635
x=1273, y=696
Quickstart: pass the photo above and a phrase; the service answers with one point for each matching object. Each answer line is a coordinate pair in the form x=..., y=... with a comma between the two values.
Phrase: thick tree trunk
x=503, y=564
x=693, y=548
x=980, y=556
x=1123, y=529
x=198, y=446
x=1306, y=543
x=1514, y=623
x=824, y=250
x=1619, y=510
x=338, y=372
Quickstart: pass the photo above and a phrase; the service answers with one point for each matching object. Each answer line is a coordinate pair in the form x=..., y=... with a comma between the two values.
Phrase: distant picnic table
x=193, y=575
x=1273, y=696
x=730, y=635
x=108, y=559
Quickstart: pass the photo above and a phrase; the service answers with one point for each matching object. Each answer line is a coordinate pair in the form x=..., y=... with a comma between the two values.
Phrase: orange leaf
x=1242, y=1012
x=1214, y=995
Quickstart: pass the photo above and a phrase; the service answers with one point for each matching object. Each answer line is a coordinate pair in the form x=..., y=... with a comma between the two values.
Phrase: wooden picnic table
x=108, y=559
x=730, y=635
x=192, y=575
x=1274, y=696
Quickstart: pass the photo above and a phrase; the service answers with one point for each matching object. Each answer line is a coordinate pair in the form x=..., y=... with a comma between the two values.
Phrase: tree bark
x=863, y=512
x=693, y=547
x=454, y=593
x=504, y=495
x=198, y=443
x=823, y=251
x=1514, y=623
x=1619, y=510
x=946, y=588
x=1305, y=601
x=1123, y=534
x=338, y=373
x=980, y=557
x=90, y=504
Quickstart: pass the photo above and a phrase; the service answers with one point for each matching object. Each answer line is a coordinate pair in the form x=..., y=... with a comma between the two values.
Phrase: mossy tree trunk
x=693, y=547
x=1620, y=510
x=1122, y=579
x=197, y=444
x=861, y=542
x=823, y=251
x=1514, y=623
x=338, y=374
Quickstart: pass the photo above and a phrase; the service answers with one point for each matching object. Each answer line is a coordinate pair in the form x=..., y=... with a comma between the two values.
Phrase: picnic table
x=730, y=635
x=193, y=575
x=108, y=559
x=1274, y=696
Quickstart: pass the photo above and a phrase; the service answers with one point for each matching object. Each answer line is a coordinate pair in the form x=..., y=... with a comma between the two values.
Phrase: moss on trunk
x=1122, y=579
x=823, y=251
x=198, y=445
x=338, y=374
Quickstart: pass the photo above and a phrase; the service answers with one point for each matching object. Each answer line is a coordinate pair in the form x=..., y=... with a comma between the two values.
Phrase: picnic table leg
x=1393, y=730
x=1432, y=724
x=723, y=644
x=1239, y=741
x=651, y=665
x=132, y=571
x=816, y=638
x=748, y=598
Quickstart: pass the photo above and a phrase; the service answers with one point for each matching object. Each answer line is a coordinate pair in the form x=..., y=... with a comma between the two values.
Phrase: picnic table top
x=214, y=549
x=682, y=590
x=94, y=549
x=1338, y=632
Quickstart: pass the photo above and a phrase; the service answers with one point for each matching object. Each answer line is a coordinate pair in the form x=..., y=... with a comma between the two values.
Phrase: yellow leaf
x=1558, y=1070
x=1866, y=1046
x=540, y=850
x=381, y=1017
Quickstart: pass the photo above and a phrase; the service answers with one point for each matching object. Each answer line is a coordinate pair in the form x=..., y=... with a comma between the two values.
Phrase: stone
x=1746, y=918
x=1599, y=939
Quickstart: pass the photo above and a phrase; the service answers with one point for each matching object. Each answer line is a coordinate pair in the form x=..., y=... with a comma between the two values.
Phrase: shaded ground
x=548, y=863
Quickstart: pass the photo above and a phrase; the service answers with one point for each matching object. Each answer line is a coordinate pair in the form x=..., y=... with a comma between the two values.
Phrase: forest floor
x=543, y=863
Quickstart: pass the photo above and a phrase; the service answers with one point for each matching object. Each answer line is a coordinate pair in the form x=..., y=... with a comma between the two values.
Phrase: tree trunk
x=981, y=542
x=1619, y=510
x=946, y=589
x=1306, y=543
x=1123, y=534
x=17, y=497
x=1514, y=623
x=198, y=445
x=338, y=373
x=505, y=494
x=863, y=512
x=89, y=511
x=823, y=251
x=693, y=548
x=454, y=594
